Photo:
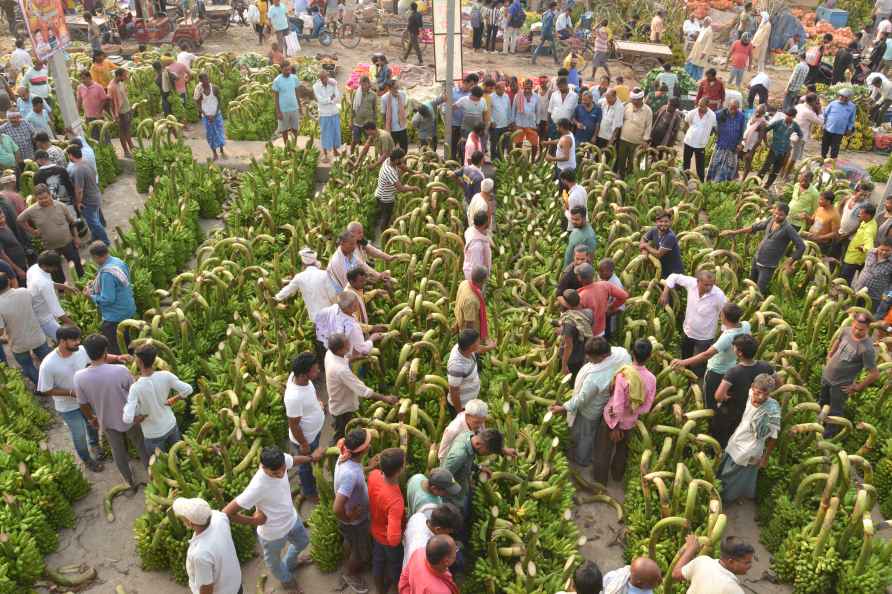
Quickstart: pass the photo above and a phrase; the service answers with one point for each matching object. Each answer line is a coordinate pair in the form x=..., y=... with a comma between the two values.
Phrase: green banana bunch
x=325, y=540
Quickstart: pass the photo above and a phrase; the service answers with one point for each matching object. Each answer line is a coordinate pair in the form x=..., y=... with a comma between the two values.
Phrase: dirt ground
x=111, y=548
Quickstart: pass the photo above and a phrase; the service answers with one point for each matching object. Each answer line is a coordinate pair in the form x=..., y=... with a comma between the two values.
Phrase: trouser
x=509, y=44
x=878, y=112
x=292, y=544
x=110, y=331
x=601, y=142
x=711, y=383
x=95, y=130
x=413, y=45
x=830, y=144
x=625, y=154
x=773, y=162
x=553, y=42
x=495, y=146
x=305, y=471
x=699, y=155
x=761, y=275
x=757, y=91
x=165, y=103
x=117, y=440
x=491, y=37
x=71, y=254
x=609, y=455
x=847, y=271
x=455, y=140
x=163, y=443
x=836, y=398
x=92, y=216
x=382, y=216
x=791, y=98
x=692, y=346
x=339, y=422
x=280, y=37
x=26, y=362
x=401, y=137
x=83, y=434
x=477, y=37
x=582, y=437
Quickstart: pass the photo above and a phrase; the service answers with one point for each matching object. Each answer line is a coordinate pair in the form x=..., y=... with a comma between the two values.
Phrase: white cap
x=487, y=185
x=477, y=408
x=195, y=510
x=307, y=256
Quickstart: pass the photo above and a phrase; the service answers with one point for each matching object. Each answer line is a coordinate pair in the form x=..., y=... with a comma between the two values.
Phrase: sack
x=517, y=21
x=292, y=44
x=476, y=18
x=253, y=15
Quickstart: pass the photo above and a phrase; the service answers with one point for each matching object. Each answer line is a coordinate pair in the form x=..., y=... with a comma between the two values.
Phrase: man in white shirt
x=701, y=320
x=314, y=286
x=700, y=122
x=461, y=370
x=149, y=402
x=211, y=561
x=576, y=194
x=306, y=416
x=642, y=576
x=56, y=379
x=43, y=293
x=563, y=25
x=880, y=96
x=714, y=576
x=500, y=119
x=562, y=104
x=185, y=56
x=20, y=59
x=20, y=326
x=612, y=113
x=338, y=318
x=426, y=523
x=344, y=388
x=279, y=527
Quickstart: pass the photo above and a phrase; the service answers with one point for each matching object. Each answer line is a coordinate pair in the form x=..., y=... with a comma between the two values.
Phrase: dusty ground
x=111, y=548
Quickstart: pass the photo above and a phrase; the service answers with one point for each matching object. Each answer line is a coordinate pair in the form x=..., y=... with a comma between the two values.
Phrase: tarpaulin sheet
x=783, y=27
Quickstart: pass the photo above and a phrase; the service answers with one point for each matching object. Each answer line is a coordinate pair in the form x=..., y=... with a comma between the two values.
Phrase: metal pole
x=450, y=75
x=65, y=93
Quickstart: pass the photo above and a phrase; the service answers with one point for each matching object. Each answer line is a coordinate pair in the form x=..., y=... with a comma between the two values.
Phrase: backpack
x=476, y=17
x=517, y=20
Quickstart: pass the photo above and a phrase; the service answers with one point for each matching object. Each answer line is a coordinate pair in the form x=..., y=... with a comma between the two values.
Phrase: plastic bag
x=253, y=15
x=292, y=44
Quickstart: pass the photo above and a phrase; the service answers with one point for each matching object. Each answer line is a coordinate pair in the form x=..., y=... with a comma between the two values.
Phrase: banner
x=441, y=37
x=45, y=20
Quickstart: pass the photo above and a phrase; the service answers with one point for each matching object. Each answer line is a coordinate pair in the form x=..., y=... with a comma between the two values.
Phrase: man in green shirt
x=461, y=462
x=364, y=110
x=804, y=200
x=582, y=233
x=10, y=154
x=380, y=139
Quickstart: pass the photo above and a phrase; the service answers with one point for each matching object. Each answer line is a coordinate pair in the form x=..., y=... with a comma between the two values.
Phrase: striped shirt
x=797, y=79
x=388, y=177
x=602, y=40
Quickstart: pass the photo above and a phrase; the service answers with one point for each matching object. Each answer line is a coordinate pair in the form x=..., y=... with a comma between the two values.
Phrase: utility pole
x=450, y=74
x=65, y=92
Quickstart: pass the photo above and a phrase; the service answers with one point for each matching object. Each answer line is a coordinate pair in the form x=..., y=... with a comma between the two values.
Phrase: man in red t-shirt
x=91, y=99
x=739, y=59
x=388, y=511
x=596, y=296
x=713, y=89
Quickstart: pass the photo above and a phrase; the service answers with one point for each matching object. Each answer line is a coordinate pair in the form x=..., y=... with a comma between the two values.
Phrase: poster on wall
x=45, y=20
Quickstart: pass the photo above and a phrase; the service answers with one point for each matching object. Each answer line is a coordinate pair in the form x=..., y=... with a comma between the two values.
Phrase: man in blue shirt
x=839, y=121
x=287, y=104
x=278, y=20
x=779, y=147
x=112, y=292
x=730, y=124
x=458, y=114
x=548, y=33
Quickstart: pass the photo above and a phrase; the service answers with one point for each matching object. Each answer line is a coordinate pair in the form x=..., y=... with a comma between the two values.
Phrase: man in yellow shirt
x=470, y=307
x=861, y=243
x=102, y=70
x=622, y=90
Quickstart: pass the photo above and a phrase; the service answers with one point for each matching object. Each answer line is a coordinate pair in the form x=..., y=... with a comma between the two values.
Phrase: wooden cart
x=642, y=57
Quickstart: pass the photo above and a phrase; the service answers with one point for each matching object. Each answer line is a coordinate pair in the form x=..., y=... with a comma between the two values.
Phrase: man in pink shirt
x=181, y=74
x=91, y=99
x=634, y=390
x=428, y=569
x=596, y=297
x=478, y=245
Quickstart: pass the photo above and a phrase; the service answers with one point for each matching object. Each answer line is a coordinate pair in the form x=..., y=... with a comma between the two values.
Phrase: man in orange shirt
x=387, y=509
x=596, y=297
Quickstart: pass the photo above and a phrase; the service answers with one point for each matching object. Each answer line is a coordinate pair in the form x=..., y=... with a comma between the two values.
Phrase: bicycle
x=347, y=34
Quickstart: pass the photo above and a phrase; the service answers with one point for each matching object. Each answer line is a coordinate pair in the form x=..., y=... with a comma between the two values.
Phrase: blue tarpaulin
x=783, y=27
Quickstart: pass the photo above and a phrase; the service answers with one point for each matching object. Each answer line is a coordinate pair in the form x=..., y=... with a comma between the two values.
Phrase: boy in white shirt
x=306, y=416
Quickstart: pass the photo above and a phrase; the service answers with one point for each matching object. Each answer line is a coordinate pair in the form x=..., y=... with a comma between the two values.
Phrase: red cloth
x=741, y=54
x=714, y=93
x=594, y=297
x=484, y=322
x=387, y=508
x=419, y=578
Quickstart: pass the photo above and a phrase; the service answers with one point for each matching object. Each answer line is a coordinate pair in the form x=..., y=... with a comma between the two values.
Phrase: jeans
x=477, y=37
x=70, y=253
x=162, y=443
x=695, y=71
x=711, y=383
x=305, y=471
x=773, y=162
x=609, y=456
x=836, y=398
x=736, y=76
x=791, y=98
x=830, y=144
x=293, y=543
x=495, y=137
x=110, y=331
x=27, y=363
x=692, y=346
x=550, y=40
x=847, y=271
x=82, y=433
x=491, y=37
x=339, y=423
x=761, y=275
x=383, y=215
x=757, y=91
x=165, y=104
x=699, y=155
x=413, y=44
x=92, y=216
x=118, y=443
